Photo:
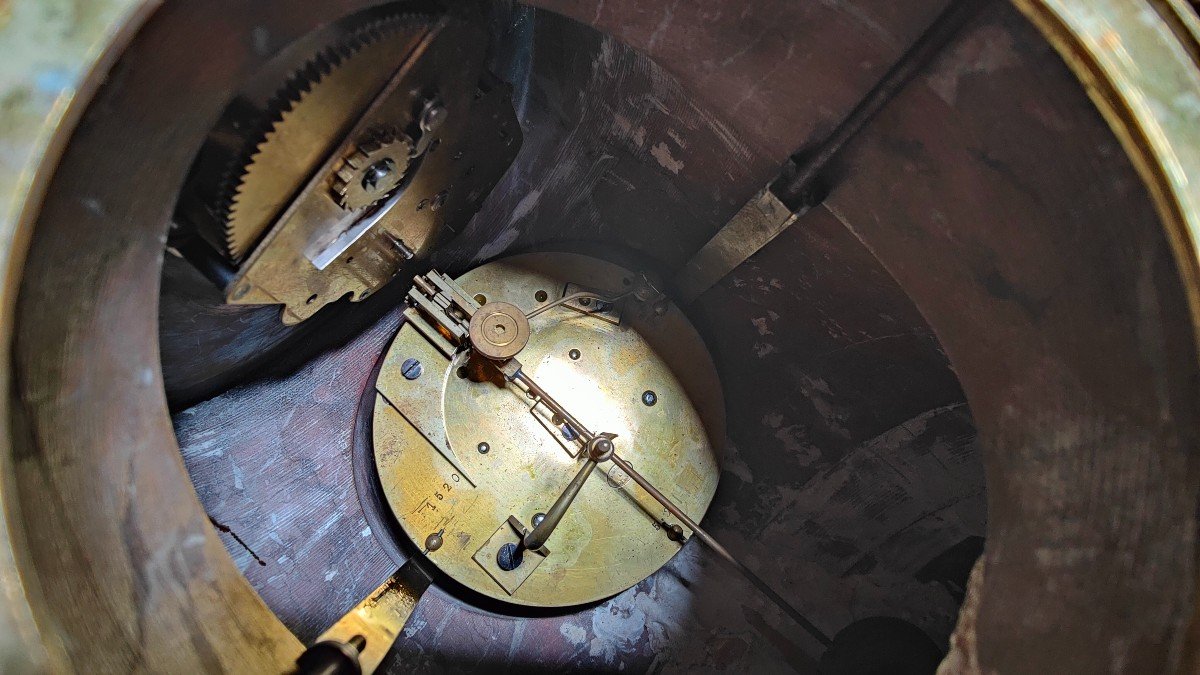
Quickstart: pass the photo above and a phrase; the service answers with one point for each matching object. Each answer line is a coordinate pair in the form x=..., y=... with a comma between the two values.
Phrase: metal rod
x=203, y=257
x=576, y=296
x=563, y=300
x=555, y=406
x=944, y=28
x=720, y=550
x=542, y=531
x=670, y=506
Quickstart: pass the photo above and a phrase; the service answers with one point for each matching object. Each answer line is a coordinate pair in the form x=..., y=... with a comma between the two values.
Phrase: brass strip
x=381, y=616
x=753, y=227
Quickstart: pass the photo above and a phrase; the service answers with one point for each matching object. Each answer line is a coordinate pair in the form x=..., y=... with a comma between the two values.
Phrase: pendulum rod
x=706, y=538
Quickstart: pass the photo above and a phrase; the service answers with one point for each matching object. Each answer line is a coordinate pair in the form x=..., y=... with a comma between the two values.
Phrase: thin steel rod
x=720, y=550
x=581, y=295
x=670, y=506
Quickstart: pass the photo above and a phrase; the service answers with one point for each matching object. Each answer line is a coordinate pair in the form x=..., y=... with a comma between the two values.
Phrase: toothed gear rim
x=253, y=189
x=373, y=170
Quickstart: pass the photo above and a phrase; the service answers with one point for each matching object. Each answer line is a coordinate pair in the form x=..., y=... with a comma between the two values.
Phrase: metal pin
x=401, y=248
x=434, y=541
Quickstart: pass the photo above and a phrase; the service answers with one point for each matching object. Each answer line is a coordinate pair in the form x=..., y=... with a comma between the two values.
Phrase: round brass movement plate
x=462, y=453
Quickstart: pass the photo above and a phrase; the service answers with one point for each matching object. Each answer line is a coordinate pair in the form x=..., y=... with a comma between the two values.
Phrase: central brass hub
x=499, y=331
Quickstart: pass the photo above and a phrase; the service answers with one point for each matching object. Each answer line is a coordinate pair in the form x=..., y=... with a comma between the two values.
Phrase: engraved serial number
x=432, y=502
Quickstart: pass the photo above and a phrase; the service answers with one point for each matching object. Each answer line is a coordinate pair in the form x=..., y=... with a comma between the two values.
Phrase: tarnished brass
x=428, y=433
x=1137, y=60
x=323, y=100
x=509, y=534
x=1136, y=57
x=754, y=226
x=499, y=330
x=316, y=251
x=376, y=621
x=375, y=167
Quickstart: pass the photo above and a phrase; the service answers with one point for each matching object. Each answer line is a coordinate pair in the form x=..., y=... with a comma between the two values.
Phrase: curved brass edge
x=1139, y=61
x=43, y=101
x=1153, y=111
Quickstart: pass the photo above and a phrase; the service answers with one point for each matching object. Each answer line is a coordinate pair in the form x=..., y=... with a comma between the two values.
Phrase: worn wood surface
x=783, y=74
x=991, y=191
x=1055, y=293
x=850, y=473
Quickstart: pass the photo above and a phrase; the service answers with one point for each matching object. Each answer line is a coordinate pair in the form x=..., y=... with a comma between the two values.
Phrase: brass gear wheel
x=375, y=168
x=305, y=121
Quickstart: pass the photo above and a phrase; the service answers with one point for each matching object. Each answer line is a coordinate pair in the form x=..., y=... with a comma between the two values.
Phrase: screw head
x=241, y=291
x=433, y=116
x=537, y=519
x=649, y=397
x=574, y=354
x=600, y=449
x=569, y=433
x=483, y=448
x=509, y=557
x=411, y=369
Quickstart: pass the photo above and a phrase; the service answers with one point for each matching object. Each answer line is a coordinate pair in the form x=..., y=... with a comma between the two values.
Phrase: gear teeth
x=361, y=156
x=372, y=148
x=298, y=85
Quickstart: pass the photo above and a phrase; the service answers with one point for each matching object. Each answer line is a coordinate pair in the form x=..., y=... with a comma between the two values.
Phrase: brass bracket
x=511, y=531
x=603, y=310
x=373, y=625
x=754, y=226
